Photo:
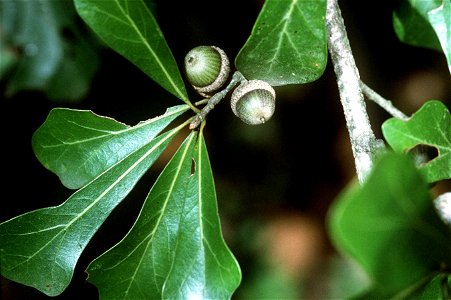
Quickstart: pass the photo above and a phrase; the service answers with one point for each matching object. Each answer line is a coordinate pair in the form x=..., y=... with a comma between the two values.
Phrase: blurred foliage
x=410, y=15
x=45, y=47
x=424, y=24
x=390, y=227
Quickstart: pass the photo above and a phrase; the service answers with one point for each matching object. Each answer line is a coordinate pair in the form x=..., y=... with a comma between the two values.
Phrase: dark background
x=274, y=182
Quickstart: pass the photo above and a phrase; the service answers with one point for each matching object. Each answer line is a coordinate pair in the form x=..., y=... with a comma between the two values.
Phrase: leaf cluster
x=175, y=248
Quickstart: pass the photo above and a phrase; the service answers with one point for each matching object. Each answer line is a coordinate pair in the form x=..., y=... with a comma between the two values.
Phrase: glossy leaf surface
x=78, y=145
x=129, y=28
x=175, y=249
x=425, y=24
x=390, y=227
x=40, y=248
x=430, y=126
x=287, y=44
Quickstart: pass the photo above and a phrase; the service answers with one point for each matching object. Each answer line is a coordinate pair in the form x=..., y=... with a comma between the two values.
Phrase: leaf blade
x=78, y=145
x=287, y=44
x=390, y=227
x=130, y=28
x=37, y=31
x=40, y=248
x=431, y=126
x=219, y=271
x=424, y=24
x=441, y=22
x=164, y=248
x=411, y=25
x=128, y=256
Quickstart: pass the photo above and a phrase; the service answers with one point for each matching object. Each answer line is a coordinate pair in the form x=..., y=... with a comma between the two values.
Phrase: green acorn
x=207, y=69
x=254, y=102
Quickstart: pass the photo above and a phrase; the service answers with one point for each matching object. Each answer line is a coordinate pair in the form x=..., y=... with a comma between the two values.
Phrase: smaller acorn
x=207, y=69
x=254, y=102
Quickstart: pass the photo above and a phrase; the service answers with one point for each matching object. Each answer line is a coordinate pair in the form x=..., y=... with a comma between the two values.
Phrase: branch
x=382, y=102
x=363, y=142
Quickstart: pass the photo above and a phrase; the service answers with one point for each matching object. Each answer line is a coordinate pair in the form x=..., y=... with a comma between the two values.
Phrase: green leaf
x=72, y=80
x=175, y=249
x=425, y=24
x=270, y=282
x=32, y=27
x=439, y=288
x=78, y=145
x=390, y=227
x=430, y=126
x=440, y=19
x=40, y=248
x=129, y=28
x=411, y=24
x=36, y=34
x=9, y=58
x=288, y=43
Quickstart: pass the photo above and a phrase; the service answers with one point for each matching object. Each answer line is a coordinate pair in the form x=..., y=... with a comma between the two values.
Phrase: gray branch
x=363, y=141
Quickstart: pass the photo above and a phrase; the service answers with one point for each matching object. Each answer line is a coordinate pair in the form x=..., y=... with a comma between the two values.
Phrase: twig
x=382, y=102
x=215, y=99
x=363, y=141
x=200, y=102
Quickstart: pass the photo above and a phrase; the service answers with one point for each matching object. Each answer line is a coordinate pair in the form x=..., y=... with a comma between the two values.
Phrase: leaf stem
x=193, y=107
x=200, y=102
x=363, y=141
x=215, y=99
x=387, y=105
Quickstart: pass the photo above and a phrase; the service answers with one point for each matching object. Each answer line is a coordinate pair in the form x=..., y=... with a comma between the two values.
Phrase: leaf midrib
x=130, y=169
x=112, y=133
x=151, y=235
x=152, y=52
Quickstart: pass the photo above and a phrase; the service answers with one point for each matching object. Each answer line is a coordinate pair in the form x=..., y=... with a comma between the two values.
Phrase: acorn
x=254, y=102
x=207, y=68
